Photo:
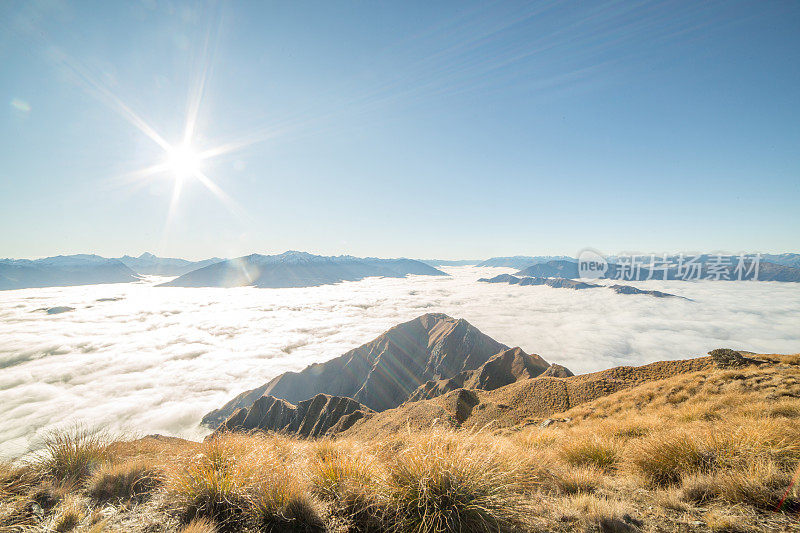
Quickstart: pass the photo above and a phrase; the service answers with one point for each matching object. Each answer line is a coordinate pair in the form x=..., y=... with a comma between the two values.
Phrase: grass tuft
x=443, y=484
x=71, y=455
x=591, y=451
x=133, y=479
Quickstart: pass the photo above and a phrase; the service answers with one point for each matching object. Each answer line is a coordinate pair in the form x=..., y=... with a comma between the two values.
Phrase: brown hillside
x=521, y=402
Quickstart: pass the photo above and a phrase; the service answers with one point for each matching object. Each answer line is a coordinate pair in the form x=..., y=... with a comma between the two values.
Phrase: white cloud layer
x=156, y=359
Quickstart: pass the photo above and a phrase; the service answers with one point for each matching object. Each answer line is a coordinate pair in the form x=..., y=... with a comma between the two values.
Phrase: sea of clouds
x=139, y=359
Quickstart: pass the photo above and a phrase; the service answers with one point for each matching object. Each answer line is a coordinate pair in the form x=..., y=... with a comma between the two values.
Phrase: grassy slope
x=704, y=449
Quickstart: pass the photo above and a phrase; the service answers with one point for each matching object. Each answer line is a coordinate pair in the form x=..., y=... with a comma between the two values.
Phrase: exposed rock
x=502, y=369
x=727, y=358
x=310, y=418
x=383, y=373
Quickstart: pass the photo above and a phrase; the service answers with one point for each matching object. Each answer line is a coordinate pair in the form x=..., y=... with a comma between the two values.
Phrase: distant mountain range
x=82, y=269
x=521, y=261
x=767, y=271
x=290, y=269
x=450, y=262
x=562, y=283
x=150, y=264
x=298, y=269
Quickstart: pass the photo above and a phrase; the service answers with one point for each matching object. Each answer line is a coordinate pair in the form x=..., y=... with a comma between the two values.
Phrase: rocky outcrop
x=727, y=358
x=383, y=373
x=500, y=370
x=310, y=418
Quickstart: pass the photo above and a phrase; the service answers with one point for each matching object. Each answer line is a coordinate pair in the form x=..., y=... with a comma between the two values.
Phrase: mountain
x=561, y=283
x=500, y=370
x=310, y=418
x=382, y=373
x=556, y=268
x=518, y=403
x=420, y=359
x=150, y=264
x=558, y=283
x=450, y=262
x=521, y=261
x=767, y=271
x=298, y=269
x=790, y=260
x=63, y=271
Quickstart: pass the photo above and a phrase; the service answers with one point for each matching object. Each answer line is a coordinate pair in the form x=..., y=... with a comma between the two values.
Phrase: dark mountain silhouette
x=150, y=264
x=298, y=269
x=63, y=271
x=561, y=283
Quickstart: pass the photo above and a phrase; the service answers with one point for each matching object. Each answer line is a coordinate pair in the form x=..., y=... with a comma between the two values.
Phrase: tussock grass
x=352, y=481
x=591, y=451
x=127, y=480
x=610, y=516
x=666, y=459
x=578, y=480
x=71, y=455
x=282, y=505
x=443, y=483
x=70, y=514
x=213, y=483
x=199, y=525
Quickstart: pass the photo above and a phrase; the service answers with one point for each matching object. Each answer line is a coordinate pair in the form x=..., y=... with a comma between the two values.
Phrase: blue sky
x=420, y=129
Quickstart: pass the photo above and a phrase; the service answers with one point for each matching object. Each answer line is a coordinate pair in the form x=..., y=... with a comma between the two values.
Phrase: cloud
x=154, y=360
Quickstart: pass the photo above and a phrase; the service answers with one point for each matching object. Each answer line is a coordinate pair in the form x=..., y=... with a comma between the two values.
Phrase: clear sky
x=419, y=129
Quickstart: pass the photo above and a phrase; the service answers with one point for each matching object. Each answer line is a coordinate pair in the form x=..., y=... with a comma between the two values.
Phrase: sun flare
x=183, y=161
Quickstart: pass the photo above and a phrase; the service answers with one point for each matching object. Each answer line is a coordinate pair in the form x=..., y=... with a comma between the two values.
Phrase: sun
x=183, y=161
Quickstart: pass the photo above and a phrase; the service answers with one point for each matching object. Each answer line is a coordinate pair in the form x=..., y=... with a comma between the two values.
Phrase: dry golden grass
x=591, y=450
x=71, y=455
x=126, y=480
x=68, y=515
x=714, y=447
x=199, y=525
x=448, y=482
